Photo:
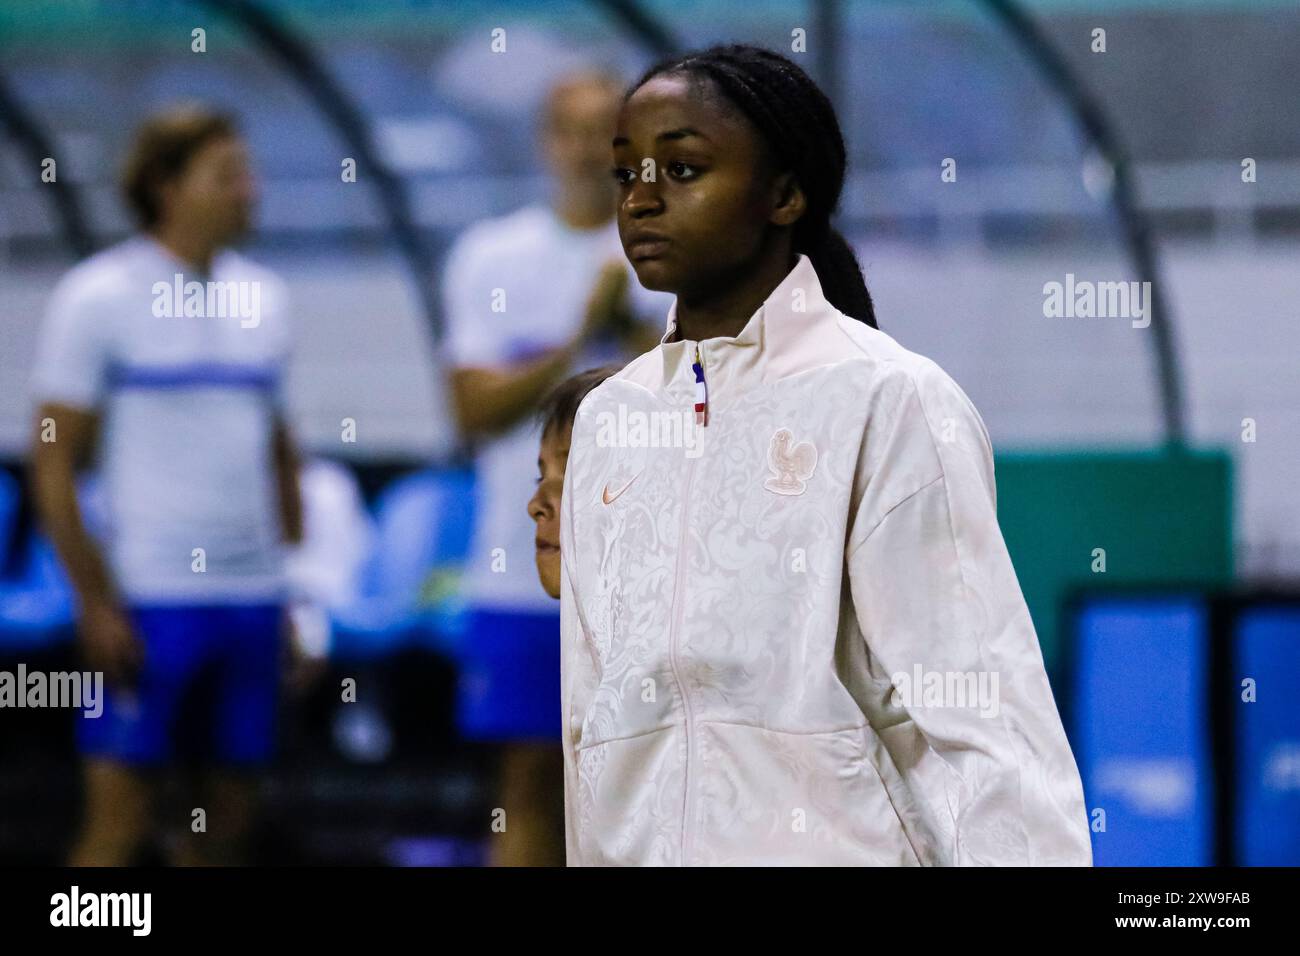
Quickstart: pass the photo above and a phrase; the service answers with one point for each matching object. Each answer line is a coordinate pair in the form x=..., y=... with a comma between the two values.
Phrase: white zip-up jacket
x=794, y=635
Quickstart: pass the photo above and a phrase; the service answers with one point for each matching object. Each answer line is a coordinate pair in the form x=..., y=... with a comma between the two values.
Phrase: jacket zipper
x=701, y=415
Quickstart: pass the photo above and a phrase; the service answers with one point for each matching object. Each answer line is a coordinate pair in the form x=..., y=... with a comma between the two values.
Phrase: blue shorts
x=208, y=688
x=509, y=682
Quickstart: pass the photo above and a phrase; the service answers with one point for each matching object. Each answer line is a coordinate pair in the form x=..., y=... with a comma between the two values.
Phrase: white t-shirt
x=187, y=406
x=338, y=535
x=546, y=271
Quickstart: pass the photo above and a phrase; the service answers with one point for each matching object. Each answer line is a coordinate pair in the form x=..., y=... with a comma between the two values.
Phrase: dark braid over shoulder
x=798, y=123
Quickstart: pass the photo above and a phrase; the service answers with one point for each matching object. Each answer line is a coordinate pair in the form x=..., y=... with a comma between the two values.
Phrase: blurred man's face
x=544, y=508
x=577, y=134
x=215, y=193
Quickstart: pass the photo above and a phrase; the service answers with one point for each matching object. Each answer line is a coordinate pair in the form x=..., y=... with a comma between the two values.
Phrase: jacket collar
x=771, y=344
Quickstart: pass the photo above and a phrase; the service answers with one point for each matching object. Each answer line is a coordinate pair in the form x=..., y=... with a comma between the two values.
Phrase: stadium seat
x=9, y=497
x=36, y=607
x=409, y=588
x=37, y=603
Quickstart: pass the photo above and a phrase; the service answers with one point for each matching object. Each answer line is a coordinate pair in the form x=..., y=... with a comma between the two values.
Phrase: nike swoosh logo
x=606, y=497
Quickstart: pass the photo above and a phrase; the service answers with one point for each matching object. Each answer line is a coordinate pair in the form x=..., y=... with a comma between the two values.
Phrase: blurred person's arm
x=307, y=625
x=491, y=399
x=106, y=634
x=54, y=468
x=286, y=461
x=68, y=382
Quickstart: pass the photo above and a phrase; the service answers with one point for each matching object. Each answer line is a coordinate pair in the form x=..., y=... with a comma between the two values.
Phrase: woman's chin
x=654, y=275
x=548, y=570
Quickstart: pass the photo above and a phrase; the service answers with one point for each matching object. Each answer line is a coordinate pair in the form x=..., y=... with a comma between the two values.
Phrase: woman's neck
x=723, y=312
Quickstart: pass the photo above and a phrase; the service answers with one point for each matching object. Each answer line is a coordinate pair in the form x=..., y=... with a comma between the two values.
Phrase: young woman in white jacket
x=791, y=630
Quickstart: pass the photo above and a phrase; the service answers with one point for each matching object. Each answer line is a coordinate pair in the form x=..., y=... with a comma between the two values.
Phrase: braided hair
x=798, y=123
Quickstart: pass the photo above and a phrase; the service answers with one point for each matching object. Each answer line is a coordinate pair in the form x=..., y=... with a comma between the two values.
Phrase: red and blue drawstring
x=701, y=390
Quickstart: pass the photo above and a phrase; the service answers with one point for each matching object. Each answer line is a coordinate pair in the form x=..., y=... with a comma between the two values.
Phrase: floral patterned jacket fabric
x=794, y=635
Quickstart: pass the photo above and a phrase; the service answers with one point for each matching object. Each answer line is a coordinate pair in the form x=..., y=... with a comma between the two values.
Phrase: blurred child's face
x=544, y=508
x=705, y=215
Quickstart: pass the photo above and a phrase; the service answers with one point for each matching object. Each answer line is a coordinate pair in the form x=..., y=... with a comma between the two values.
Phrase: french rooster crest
x=792, y=464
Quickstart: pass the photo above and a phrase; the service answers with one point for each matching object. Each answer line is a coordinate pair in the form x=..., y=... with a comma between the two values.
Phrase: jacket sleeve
x=970, y=722
x=578, y=674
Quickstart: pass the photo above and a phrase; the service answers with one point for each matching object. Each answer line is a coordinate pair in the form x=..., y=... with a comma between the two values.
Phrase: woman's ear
x=791, y=204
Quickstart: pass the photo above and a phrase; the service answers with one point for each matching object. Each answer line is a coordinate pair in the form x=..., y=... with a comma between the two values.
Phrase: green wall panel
x=1161, y=516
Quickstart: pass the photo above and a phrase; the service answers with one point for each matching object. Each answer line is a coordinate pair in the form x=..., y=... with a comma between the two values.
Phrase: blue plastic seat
x=37, y=603
x=9, y=498
x=410, y=586
x=36, y=607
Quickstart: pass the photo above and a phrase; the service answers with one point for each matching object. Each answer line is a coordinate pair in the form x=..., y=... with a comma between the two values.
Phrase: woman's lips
x=646, y=248
x=545, y=547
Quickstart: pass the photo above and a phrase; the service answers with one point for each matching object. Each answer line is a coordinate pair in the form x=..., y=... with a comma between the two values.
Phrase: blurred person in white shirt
x=166, y=356
x=530, y=298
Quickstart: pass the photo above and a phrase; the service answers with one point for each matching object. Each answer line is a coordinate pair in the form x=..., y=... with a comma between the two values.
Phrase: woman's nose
x=540, y=507
x=643, y=197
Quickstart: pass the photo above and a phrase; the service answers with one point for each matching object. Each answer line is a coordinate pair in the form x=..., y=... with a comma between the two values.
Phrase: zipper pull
x=701, y=390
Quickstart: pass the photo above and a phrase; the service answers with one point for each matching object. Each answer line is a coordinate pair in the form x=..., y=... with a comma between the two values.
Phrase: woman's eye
x=679, y=170
x=623, y=175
